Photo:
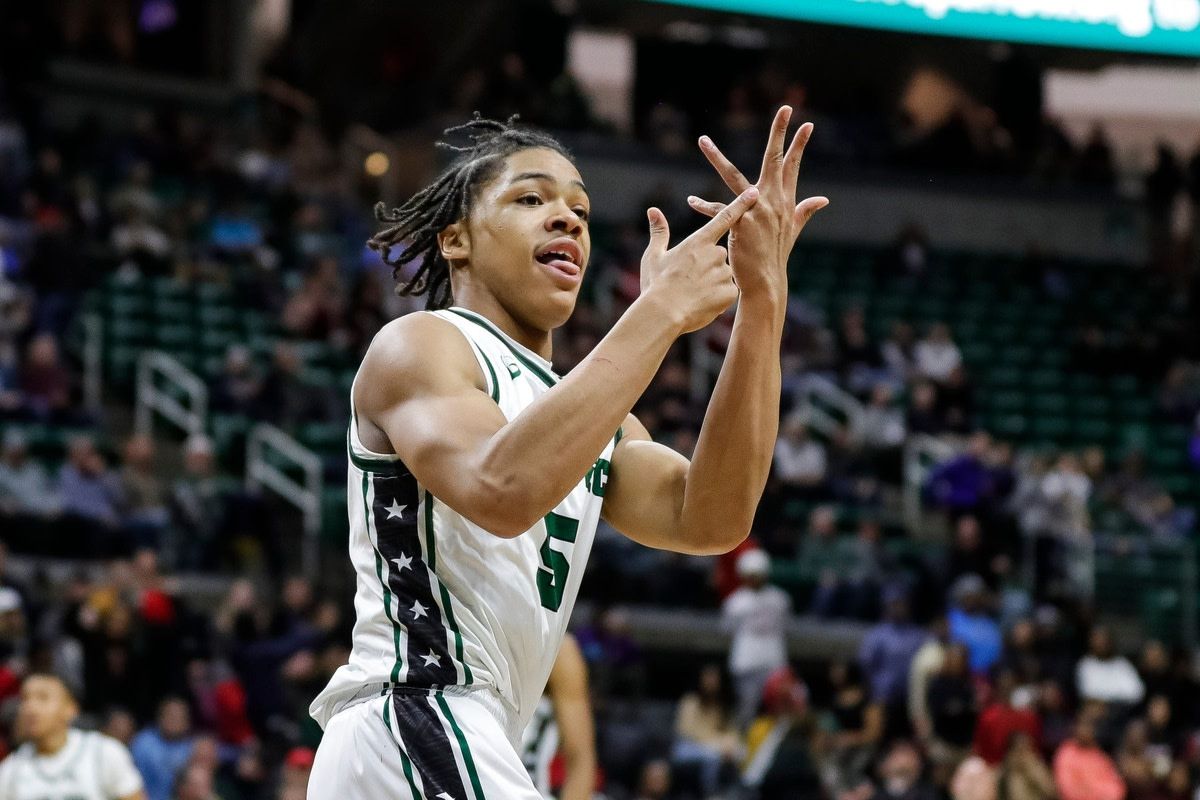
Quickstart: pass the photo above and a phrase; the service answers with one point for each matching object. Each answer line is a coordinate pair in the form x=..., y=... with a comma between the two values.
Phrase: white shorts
x=418, y=746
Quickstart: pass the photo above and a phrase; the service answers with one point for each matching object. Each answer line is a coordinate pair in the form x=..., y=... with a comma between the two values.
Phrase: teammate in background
x=477, y=476
x=562, y=726
x=57, y=762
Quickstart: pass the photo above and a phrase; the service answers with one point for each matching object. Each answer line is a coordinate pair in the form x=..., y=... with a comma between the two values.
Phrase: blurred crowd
x=966, y=685
x=210, y=698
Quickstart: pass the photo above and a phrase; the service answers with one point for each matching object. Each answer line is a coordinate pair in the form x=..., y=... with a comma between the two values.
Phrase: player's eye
x=582, y=213
x=530, y=199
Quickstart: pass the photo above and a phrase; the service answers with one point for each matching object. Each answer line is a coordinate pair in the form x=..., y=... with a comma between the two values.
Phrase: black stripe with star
x=395, y=509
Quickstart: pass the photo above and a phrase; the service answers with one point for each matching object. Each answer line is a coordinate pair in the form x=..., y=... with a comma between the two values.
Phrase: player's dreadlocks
x=417, y=223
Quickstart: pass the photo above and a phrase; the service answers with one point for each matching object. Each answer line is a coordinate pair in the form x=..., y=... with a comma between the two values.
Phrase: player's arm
x=423, y=389
x=568, y=687
x=656, y=496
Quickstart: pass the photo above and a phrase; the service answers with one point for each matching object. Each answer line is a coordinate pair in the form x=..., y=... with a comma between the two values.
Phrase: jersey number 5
x=552, y=574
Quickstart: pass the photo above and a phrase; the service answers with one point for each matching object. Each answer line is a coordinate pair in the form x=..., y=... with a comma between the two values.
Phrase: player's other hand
x=762, y=240
x=693, y=281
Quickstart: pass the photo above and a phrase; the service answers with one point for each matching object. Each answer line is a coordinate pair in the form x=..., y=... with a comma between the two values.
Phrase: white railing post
x=814, y=388
x=916, y=449
x=306, y=496
x=191, y=417
x=93, y=360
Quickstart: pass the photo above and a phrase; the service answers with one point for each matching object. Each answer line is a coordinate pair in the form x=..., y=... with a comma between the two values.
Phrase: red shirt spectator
x=1083, y=771
x=1001, y=719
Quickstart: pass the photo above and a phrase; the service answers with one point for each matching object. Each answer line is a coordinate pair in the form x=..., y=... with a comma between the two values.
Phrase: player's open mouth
x=562, y=256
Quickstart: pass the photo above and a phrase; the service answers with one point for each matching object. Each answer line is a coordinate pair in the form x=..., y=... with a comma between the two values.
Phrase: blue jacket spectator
x=162, y=751
x=971, y=627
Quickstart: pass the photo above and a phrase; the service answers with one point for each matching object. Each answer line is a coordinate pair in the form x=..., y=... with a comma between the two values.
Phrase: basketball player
x=477, y=475
x=57, y=762
x=562, y=724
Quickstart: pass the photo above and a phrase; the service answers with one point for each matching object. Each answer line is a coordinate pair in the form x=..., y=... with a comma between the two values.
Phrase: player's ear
x=454, y=242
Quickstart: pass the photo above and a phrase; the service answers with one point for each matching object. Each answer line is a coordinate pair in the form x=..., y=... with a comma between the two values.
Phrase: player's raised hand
x=762, y=240
x=693, y=279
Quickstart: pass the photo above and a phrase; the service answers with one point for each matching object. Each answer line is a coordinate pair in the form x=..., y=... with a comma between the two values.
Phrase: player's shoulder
x=417, y=348
x=103, y=742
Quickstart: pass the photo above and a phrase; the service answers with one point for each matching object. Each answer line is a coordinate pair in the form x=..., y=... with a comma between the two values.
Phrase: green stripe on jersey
x=404, y=762
x=380, y=466
x=466, y=749
x=536, y=369
x=387, y=592
x=447, y=604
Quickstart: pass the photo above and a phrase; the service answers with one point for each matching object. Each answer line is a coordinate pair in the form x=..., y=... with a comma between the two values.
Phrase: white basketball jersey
x=539, y=745
x=90, y=766
x=440, y=601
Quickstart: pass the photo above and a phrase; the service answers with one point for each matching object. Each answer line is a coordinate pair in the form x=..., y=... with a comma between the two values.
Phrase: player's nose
x=566, y=221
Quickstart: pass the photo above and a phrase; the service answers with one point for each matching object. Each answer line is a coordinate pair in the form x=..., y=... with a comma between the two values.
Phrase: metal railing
x=826, y=406
x=265, y=446
x=921, y=452
x=190, y=415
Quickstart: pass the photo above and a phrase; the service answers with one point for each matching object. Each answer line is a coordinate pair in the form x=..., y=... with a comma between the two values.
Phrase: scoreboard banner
x=1168, y=27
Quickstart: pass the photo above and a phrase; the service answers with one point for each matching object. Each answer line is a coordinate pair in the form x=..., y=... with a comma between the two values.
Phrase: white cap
x=9, y=600
x=753, y=562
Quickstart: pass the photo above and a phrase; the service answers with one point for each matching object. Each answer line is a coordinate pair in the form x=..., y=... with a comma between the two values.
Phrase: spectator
x=969, y=556
x=887, y=652
x=899, y=353
x=89, y=491
x=926, y=666
x=705, y=735
x=882, y=432
x=1082, y=771
x=923, y=416
x=956, y=401
x=143, y=495
x=963, y=485
x=780, y=763
x=1105, y=675
x=655, y=781
x=316, y=309
x=973, y=780
x=237, y=389
x=800, y=461
x=1023, y=774
x=952, y=710
x=287, y=399
x=45, y=382
x=900, y=775
x=296, y=769
x=860, y=361
x=972, y=626
x=25, y=488
x=162, y=751
x=756, y=615
x=937, y=355
x=1021, y=656
x=1001, y=719
x=857, y=728
x=194, y=782
x=1137, y=766
x=197, y=506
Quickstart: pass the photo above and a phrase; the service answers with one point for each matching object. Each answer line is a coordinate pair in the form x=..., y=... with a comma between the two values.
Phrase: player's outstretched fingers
x=773, y=156
x=793, y=157
x=660, y=232
x=806, y=210
x=732, y=176
x=706, y=207
x=724, y=219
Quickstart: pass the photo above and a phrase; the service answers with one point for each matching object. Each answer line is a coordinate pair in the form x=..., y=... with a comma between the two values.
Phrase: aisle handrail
x=262, y=472
x=191, y=416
